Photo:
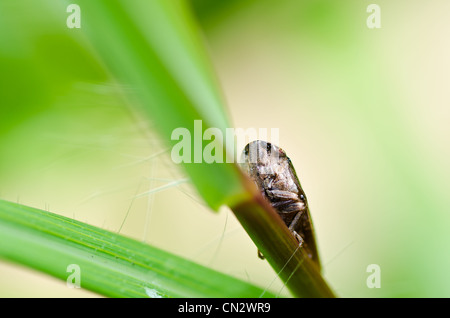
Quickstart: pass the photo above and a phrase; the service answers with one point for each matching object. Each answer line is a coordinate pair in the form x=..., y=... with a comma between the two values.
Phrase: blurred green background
x=363, y=114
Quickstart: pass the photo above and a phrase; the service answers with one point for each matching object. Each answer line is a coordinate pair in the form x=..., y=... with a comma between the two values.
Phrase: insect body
x=274, y=175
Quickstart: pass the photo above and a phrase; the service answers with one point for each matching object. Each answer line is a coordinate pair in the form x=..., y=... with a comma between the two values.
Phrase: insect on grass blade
x=274, y=175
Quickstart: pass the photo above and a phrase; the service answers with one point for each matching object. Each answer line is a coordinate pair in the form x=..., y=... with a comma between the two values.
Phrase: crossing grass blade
x=108, y=263
x=156, y=48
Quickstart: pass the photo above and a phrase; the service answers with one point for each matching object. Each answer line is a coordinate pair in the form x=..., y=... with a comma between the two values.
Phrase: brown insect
x=274, y=175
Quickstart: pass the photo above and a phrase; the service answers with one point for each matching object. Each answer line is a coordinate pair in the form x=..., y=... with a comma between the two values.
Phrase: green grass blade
x=110, y=264
x=155, y=47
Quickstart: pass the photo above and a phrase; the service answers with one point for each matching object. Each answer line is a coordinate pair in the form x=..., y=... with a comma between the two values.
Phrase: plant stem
x=280, y=248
